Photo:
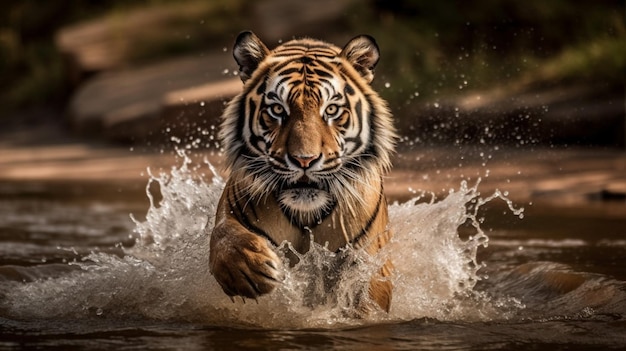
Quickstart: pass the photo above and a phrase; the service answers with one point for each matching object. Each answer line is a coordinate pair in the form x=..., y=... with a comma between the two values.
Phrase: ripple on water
x=165, y=275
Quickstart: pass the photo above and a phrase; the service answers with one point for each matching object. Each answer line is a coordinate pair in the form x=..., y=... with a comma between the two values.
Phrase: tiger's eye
x=331, y=110
x=277, y=109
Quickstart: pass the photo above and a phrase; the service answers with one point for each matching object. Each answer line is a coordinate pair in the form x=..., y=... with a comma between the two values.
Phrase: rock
x=189, y=113
x=110, y=42
x=179, y=97
x=108, y=102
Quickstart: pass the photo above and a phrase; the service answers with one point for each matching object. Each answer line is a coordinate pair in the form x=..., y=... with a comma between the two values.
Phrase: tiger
x=307, y=143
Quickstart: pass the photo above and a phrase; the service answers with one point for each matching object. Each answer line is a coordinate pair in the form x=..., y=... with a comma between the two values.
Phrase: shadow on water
x=78, y=271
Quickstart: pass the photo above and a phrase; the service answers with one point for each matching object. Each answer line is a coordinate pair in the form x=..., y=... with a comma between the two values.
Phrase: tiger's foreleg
x=380, y=288
x=241, y=261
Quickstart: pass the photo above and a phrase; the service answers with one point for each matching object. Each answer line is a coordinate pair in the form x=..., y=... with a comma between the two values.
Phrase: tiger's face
x=307, y=125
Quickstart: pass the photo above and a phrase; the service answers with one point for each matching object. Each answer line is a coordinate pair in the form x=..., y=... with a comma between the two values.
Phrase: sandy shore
x=48, y=159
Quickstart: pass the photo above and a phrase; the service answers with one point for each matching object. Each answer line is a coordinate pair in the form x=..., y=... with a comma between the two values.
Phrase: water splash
x=165, y=275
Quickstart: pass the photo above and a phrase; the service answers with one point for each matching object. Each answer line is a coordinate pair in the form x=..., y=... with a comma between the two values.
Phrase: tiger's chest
x=267, y=218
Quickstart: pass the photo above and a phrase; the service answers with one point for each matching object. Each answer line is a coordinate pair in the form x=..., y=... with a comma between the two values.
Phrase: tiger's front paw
x=244, y=264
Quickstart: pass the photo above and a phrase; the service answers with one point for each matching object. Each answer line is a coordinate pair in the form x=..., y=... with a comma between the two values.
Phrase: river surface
x=473, y=271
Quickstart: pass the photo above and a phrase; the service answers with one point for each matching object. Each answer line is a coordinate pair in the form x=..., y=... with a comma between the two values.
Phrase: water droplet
x=387, y=85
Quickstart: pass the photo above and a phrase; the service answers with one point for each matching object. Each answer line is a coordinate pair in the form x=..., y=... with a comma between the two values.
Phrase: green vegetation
x=435, y=48
x=33, y=69
x=430, y=48
x=603, y=59
x=192, y=27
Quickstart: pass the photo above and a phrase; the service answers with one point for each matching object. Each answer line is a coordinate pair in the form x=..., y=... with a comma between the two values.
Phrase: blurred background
x=523, y=99
x=535, y=71
x=532, y=75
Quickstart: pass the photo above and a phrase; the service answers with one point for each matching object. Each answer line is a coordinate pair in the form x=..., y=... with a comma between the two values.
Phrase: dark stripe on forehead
x=320, y=48
x=302, y=75
x=313, y=54
x=298, y=64
x=296, y=83
x=290, y=70
x=325, y=65
x=306, y=44
x=279, y=66
x=322, y=73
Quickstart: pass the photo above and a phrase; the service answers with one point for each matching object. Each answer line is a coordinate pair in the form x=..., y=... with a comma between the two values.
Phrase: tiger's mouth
x=304, y=182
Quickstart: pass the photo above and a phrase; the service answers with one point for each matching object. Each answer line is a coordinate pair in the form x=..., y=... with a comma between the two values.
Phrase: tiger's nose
x=304, y=161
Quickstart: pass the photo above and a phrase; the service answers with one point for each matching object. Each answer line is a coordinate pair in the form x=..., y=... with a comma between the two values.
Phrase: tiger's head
x=307, y=127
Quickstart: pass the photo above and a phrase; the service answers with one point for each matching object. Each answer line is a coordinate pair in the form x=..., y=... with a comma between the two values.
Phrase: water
x=469, y=274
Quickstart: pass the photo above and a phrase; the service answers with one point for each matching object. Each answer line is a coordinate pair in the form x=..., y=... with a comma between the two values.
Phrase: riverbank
x=50, y=159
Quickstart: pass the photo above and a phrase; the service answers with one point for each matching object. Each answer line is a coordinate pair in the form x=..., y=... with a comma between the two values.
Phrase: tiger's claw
x=244, y=264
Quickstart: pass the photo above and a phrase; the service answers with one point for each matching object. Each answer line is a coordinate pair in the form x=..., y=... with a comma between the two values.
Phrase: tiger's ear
x=249, y=51
x=362, y=52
